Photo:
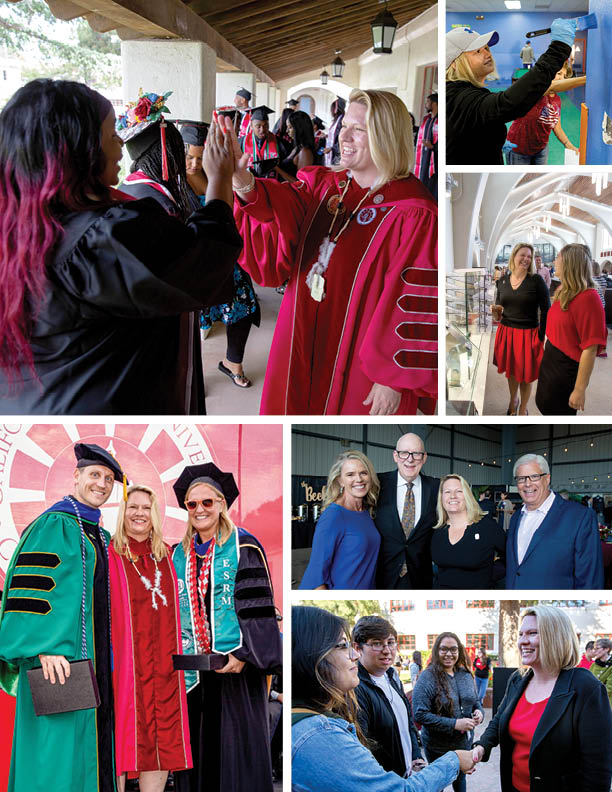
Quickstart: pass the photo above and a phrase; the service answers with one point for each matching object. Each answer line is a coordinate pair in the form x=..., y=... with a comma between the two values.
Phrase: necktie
x=407, y=519
x=408, y=513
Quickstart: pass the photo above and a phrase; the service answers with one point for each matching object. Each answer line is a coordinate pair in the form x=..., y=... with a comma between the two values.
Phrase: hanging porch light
x=338, y=66
x=383, y=27
x=324, y=77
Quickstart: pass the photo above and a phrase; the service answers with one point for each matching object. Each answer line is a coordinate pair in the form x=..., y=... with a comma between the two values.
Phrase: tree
x=350, y=610
x=509, y=614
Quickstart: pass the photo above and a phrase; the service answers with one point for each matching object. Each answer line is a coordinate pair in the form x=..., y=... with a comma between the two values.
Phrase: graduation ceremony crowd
x=182, y=643
x=355, y=727
x=105, y=288
x=406, y=530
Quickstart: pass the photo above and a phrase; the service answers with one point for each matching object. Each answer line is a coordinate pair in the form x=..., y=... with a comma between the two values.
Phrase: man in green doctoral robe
x=58, y=572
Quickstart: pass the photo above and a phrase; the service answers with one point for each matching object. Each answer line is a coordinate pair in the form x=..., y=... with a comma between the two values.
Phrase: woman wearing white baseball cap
x=476, y=117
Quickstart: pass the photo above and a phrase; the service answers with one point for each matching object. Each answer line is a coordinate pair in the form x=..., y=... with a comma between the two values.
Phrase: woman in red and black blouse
x=576, y=331
x=553, y=726
x=521, y=302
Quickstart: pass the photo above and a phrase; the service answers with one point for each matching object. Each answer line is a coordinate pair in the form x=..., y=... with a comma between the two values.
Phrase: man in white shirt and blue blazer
x=552, y=543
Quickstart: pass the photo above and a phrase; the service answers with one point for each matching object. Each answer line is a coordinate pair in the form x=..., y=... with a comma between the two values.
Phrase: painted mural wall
x=37, y=462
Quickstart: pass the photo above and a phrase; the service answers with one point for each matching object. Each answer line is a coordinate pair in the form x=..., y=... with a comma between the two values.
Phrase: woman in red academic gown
x=357, y=328
x=151, y=724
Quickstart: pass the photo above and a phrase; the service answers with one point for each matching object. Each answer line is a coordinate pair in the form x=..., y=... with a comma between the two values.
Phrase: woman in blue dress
x=346, y=541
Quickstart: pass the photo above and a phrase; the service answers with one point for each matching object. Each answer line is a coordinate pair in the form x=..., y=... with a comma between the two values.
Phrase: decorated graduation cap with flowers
x=143, y=125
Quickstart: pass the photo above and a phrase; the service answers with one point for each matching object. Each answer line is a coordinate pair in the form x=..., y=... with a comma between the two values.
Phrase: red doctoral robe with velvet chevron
x=378, y=320
x=151, y=724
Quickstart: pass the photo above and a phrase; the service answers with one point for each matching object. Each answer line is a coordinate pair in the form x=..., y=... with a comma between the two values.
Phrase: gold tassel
x=124, y=487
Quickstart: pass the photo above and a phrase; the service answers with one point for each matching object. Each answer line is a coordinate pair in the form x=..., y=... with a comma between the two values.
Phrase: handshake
x=469, y=759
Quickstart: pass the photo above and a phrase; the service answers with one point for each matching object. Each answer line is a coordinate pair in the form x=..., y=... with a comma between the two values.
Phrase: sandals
x=238, y=379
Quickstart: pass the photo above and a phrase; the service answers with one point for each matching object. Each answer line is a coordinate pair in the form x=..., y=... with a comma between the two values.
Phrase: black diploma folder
x=80, y=690
x=199, y=662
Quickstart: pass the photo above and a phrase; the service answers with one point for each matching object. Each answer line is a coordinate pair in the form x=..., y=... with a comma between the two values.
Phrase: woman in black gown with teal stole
x=223, y=571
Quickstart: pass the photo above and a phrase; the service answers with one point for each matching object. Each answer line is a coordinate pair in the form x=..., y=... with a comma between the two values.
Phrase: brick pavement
x=486, y=777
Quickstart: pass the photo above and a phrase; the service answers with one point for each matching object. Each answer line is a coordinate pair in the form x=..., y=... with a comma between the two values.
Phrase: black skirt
x=556, y=382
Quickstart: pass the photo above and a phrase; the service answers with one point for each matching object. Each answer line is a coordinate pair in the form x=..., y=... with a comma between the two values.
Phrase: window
x=431, y=639
x=406, y=643
x=477, y=640
x=480, y=604
x=401, y=605
x=439, y=604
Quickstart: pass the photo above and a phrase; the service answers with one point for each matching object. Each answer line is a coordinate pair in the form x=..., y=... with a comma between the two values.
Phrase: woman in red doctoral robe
x=357, y=329
x=151, y=723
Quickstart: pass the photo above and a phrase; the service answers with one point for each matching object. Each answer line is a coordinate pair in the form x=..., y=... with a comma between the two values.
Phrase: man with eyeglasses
x=384, y=711
x=552, y=543
x=405, y=517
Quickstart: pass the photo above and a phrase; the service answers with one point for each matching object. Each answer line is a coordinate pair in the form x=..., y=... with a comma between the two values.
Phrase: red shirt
x=584, y=662
x=581, y=326
x=522, y=726
x=531, y=132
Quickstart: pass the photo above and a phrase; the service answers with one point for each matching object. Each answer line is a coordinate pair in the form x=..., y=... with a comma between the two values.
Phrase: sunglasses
x=207, y=503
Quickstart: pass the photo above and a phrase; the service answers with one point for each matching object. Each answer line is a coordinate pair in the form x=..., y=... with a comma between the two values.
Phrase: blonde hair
x=460, y=70
x=559, y=647
x=576, y=277
x=474, y=512
x=120, y=539
x=332, y=490
x=226, y=526
x=389, y=134
x=515, y=250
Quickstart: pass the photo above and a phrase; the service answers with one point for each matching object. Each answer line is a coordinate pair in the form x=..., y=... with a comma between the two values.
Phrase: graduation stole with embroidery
x=225, y=634
x=270, y=150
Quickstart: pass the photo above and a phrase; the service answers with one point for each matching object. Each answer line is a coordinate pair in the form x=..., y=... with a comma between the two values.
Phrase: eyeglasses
x=347, y=647
x=532, y=477
x=416, y=455
x=378, y=646
x=454, y=650
x=207, y=503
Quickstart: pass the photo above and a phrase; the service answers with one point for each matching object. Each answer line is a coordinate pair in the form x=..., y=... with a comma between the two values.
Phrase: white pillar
x=187, y=68
x=262, y=95
x=276, y=102
x=230, y=82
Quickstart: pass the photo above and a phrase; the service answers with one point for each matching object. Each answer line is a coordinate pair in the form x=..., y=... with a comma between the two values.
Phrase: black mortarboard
x=227, y=110
x=292, y=102
x=341, y=103
x=261, y=113
x=193, y=132
x=244, y=93
x=318, y=121
x=91, y=454
x=207, y=473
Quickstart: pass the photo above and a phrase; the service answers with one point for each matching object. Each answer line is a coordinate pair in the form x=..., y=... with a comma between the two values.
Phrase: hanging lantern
x=383, y=31
x=324, y=77
x=338, y=66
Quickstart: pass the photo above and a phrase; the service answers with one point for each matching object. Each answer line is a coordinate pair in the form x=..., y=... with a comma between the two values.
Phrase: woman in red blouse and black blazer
x=553, y=726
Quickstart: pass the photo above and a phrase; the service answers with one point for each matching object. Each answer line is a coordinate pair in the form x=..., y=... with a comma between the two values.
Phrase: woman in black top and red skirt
x=521, y=303
x=576, y=333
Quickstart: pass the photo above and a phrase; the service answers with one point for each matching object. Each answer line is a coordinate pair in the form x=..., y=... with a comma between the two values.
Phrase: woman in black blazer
x=554, y=724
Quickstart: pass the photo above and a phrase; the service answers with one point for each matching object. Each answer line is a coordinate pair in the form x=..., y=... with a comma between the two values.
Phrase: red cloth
x=378, y=321
x=532, y=132
x=581, y=326
x=245, y=123
x=7, y=719
x=419, y=146
x=522, y=726
x=584, y=662
x=151, y=722
x=518, y=352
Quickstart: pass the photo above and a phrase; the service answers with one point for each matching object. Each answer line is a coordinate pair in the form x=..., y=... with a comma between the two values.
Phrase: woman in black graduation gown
x=466, y=540
x=227, y=612
x=93, y=284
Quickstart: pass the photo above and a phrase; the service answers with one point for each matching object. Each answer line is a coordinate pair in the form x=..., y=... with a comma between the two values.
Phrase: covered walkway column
x=229, y=82
x=187, y=68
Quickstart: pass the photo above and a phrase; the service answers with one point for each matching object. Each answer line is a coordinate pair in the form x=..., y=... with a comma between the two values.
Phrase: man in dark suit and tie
x=552, y=543
x=405, y=517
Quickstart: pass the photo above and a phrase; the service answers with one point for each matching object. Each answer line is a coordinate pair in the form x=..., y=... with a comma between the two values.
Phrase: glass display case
x=468, y=322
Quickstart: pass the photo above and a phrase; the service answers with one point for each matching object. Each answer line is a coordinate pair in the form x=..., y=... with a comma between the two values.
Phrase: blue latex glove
x=508, y=146
x=563, y=30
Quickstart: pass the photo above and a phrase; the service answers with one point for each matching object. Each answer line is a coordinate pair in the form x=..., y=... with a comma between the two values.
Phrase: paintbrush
x=587, y=22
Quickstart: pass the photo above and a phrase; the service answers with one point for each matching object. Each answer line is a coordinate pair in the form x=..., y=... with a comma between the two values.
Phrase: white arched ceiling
x=335, y=88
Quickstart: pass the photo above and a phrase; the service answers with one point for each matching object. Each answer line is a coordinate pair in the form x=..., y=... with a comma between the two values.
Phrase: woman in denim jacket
x=329, y=752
